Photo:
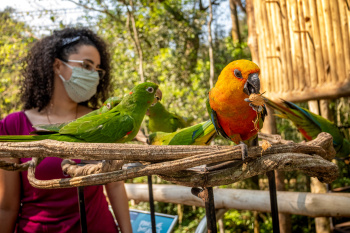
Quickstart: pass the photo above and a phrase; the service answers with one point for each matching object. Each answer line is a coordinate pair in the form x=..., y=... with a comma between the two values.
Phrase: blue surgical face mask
x=82, y=84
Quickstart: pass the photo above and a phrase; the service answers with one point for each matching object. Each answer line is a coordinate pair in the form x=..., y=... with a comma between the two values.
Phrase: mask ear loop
x=59, y=75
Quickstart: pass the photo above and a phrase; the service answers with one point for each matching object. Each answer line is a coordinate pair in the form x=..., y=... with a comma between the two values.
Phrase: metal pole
x=81, y=199
x=273, y=195
x=207, y=195
x=151, y=204
x=273, y=201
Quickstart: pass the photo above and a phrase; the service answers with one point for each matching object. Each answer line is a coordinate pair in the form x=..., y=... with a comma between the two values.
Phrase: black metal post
x=81, y=199
x=151, y=204
x=273, y=201
x=273, y=195
x=208, y=195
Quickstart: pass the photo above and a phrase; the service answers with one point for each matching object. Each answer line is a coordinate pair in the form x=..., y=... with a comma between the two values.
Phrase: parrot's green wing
x=54, y=128
x=215, y=121
x=111, y=126
x=200, y=134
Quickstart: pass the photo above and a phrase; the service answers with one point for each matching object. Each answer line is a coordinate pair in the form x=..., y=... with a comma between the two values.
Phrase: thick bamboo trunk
x=301, y=203
x=236, y=37
x=322, y=224
x=252, y=34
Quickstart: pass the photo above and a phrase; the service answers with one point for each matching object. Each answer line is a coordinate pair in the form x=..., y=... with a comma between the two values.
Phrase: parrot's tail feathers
x=204, y=129
x=281, y=108
x=18, y=138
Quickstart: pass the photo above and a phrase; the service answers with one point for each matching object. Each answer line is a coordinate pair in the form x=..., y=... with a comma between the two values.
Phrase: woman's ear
x=57, y=65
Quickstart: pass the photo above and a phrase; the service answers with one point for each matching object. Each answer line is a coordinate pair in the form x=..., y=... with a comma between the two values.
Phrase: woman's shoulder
x=15, y=124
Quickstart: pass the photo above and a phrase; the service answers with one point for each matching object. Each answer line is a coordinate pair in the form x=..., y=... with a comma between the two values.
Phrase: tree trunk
x=210, y=40
x=322, y=223
x=270, y=127
x=236, y=37
x=252, y=37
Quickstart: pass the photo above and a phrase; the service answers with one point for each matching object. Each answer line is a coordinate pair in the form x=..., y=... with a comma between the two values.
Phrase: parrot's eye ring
x=238, y=73
x=150, y=89
x=108, y=105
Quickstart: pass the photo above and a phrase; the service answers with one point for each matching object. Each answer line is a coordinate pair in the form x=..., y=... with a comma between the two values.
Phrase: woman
x=66, y=75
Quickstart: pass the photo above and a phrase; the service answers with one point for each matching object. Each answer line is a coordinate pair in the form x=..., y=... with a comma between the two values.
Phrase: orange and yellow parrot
x=234, y=116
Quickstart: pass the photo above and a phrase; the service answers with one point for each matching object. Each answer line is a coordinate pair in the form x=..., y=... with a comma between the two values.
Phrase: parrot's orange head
x=240, y=75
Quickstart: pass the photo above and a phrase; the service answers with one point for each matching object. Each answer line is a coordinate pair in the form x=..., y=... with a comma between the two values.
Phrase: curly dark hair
x=38, y=83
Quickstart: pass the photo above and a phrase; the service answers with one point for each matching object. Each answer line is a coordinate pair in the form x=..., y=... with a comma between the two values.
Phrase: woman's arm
x=9, y=198
x=119, y=201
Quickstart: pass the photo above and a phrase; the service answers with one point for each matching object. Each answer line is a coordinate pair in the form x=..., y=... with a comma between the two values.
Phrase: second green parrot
x=162, y=120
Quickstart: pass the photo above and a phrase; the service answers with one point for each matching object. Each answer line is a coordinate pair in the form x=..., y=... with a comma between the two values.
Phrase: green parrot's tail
x=22, y=138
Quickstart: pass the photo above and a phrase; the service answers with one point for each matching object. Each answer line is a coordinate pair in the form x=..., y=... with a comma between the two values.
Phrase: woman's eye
x=150, y=89
x=88, y=66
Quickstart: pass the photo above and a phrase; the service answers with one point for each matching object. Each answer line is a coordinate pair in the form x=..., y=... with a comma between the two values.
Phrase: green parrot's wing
x=54, y=128
x=108, y=127
x=200, y=134
x=215, y=121
x=49, y=128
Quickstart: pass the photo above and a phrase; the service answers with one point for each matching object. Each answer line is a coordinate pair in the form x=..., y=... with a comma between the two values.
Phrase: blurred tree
x=15, y=38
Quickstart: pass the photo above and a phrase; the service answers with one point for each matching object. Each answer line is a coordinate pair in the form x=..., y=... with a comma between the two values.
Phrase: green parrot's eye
x=150, y=89
x=108, y=105
x=238, y=74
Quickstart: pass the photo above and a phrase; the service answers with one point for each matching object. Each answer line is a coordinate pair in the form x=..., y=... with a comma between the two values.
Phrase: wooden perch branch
x=309, y=157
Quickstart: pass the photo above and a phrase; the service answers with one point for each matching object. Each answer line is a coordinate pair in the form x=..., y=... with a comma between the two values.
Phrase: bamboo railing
x=304, y=48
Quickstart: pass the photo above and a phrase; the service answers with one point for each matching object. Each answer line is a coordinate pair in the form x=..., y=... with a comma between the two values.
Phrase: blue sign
x=141, y=222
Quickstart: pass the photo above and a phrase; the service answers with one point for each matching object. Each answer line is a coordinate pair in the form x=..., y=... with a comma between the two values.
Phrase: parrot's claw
x=244, y=150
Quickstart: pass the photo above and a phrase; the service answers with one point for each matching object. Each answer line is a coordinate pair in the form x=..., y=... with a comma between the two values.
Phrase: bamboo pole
x=344, y=25
x=310, y=45
x=304, y=44
x=287, y=43
x=273, y=53
x=258, y=11
x=300, y=203
x=317, y=45
x=322, y=224
x=283, y=67
x=330, y=41
x=295, y=45
x=338, y=41
x=325, y=52
x=267, y=45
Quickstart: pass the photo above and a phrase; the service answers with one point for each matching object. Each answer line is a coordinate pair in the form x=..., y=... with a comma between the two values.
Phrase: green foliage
x=15, y=38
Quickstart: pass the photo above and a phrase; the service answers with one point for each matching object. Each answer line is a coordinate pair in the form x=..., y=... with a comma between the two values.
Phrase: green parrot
x=310, y=125
x=164, y=121
x=200, y=134
x=107, y=105
x=120, y=124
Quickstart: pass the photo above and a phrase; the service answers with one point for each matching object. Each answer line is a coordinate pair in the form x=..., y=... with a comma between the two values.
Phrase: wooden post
x=322, y=223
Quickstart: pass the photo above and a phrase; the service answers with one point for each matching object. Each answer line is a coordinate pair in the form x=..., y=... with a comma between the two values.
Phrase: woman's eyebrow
x=86, y=59
x=91, y=62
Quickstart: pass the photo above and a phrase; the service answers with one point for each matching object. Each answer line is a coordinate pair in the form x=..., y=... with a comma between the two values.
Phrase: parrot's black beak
x=157, y=96
x=252, y=86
